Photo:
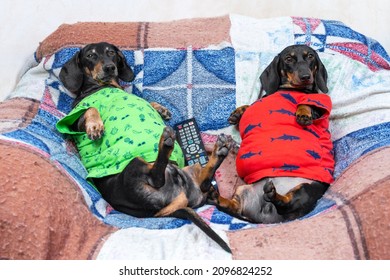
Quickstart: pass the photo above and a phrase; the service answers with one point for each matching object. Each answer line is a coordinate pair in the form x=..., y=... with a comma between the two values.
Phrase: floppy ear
x=71, y=75
x=321, y=77
x=270, y=78
x=124, y=71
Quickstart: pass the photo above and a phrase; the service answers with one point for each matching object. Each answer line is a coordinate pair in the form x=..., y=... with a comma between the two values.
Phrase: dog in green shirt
x=130, y=154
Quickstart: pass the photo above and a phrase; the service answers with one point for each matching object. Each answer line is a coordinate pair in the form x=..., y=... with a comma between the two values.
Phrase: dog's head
x=296, y=67
x=95, y=66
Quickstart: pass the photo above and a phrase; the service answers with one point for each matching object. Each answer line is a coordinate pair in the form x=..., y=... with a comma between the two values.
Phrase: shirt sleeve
x=65, y=124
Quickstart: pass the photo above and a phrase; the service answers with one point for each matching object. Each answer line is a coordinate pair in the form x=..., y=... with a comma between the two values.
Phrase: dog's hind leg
x=233, y=206
x=165, y=148
x=298, y=201
x=219, y=153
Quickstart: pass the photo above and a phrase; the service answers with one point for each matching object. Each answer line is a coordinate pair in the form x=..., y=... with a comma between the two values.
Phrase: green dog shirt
x=132, y=128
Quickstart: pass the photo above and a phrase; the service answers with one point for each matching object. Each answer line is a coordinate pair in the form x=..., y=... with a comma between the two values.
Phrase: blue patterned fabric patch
x=192, y=83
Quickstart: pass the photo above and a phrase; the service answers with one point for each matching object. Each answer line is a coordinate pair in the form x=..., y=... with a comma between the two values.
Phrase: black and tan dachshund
x=284, y=182
x=142, y=189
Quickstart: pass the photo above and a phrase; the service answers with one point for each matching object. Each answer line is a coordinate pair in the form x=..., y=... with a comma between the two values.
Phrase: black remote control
x=189, y=138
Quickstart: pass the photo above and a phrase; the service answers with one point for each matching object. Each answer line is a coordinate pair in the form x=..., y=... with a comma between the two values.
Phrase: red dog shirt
x=275, y=145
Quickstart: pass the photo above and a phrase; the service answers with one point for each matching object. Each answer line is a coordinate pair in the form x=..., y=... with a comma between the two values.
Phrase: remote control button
x=192, y=149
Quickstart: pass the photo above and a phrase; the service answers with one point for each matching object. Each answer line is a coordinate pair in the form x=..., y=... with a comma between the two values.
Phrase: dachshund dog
x=130, y=155
x=285, y=156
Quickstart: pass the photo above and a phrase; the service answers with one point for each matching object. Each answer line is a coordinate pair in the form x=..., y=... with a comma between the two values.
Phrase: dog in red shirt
x=286, y=153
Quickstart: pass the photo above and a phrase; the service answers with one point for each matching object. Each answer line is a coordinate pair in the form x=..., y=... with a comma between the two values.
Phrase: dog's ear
x=321, y=77
x=270, y=78
x=71, y=74
x=124, y=71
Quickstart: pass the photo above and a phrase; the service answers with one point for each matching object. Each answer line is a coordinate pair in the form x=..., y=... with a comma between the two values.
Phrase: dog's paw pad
x=165, y=113
x=169, y=136
x=234, y=118
x=269, y=191
x=236, y=115
x=304, y=120
x=94, y=130
x=223, y=143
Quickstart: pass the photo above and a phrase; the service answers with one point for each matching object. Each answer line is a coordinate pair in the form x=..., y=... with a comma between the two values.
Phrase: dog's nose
x=305, y=77
x=110, y=68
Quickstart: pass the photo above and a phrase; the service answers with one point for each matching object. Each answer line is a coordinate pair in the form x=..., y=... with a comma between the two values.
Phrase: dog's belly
x=253, y=205
x=178, y=180
x=178, y=187
x=282, y=184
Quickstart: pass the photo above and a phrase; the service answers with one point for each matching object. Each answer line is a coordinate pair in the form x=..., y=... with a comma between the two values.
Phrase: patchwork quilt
x=205, y=68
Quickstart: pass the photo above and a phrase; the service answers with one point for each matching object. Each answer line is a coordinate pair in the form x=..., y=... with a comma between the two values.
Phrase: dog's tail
x=190, y=214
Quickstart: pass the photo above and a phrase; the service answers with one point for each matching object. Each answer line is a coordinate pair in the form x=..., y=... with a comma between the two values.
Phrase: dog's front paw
x=164, y=112
x=94, y=129
x=269, y=191
x=93, y=124
x=303, y=115
x=236, y=115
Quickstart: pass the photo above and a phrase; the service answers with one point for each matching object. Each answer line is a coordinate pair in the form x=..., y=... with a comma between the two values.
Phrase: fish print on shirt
x=311, y=131
x=250, y=154
x=316, y=102
x=250, y=127
x=282, y=111
x=313, y=154
x=289, y=97
x=287, y=167
x=286, y=137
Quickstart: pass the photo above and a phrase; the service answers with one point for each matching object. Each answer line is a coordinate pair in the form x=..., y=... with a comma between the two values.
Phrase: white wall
x=24, y=23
